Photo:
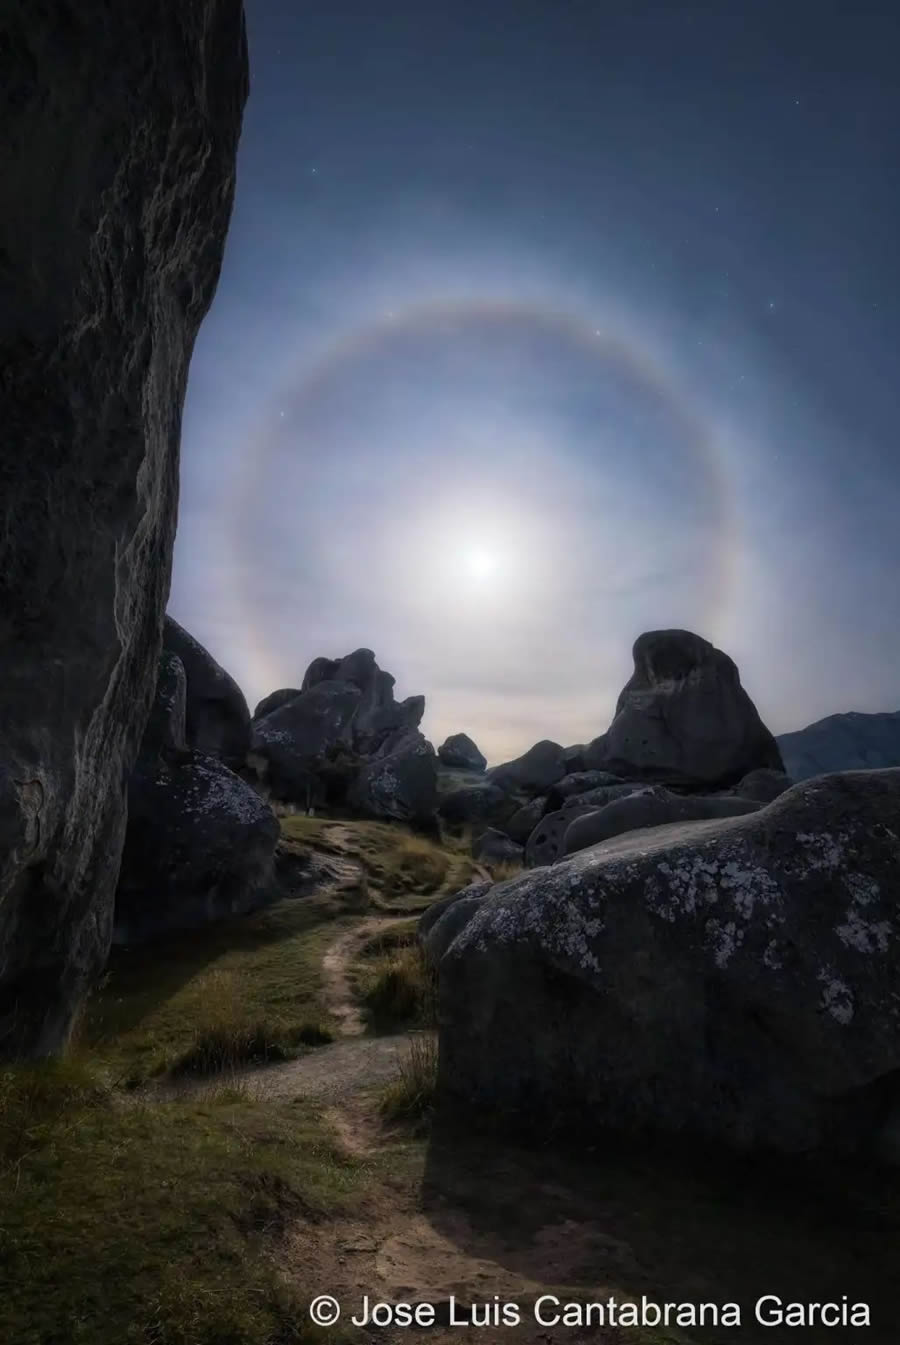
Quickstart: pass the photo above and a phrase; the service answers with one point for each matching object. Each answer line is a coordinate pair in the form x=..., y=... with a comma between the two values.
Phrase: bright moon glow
x=480, y=563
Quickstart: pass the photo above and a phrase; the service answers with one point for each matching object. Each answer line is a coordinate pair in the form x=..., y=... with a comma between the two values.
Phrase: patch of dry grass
x=396, y=986
x=404, y=870
x=227, y=1035
x=411, y=1097
x=238, y=991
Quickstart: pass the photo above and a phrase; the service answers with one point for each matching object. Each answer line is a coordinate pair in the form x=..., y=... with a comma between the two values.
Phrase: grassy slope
x=129, y=1221
x=404, y=870
x=126, y=1222
x=151, y=1223
x=260, y=974
x=256, y=980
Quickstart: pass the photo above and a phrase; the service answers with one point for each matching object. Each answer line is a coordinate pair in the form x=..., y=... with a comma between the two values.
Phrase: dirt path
x=481, y=1221
x=329, y=1073
x=357, y=1062
x=339, y=998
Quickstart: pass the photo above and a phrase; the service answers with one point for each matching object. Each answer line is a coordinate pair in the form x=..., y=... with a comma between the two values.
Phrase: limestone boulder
x=580, y=782
x=399, y=786
x=648, y=808
x=275, y=700
x=460, y=751
x=119, y=129
x=292, y=745
x=532, y=773
x=200, y=842
x=545, y=844
x=684, y=718
x=441, y=923
x=763, y=786
x=495, y=847
x=377, y=731
x=525, y=819
x=604, y=794
x=574, y=758
x=311, y=746
x=437, y=908
x=482, y=803
x=217, y=719
x=734, y=981
x=320, y=670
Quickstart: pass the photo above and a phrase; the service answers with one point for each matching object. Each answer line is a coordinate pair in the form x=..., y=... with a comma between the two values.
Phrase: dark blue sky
x=544, y=323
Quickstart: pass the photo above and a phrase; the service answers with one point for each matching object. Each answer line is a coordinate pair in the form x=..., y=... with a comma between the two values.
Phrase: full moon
x=480, y=563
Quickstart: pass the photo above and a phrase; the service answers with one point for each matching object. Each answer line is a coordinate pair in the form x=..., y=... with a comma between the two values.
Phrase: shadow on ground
x=671, y=1224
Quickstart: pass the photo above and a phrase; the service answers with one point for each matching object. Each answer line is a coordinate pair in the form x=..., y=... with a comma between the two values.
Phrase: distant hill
x=848, y=742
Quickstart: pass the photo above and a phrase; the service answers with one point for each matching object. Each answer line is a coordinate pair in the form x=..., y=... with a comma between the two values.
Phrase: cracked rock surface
x=735, y=980
x=120, y=126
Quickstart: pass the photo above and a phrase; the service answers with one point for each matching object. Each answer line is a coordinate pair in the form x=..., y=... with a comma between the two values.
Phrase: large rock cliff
x=120, y=130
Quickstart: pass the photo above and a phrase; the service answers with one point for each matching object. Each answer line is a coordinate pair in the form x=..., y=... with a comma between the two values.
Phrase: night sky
x=543, y=324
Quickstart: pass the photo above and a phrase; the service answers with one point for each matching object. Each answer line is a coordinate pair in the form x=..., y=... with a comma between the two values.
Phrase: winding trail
x=337, y=1071
x=354, y=1062
x=336, y=964
x=468, y=1219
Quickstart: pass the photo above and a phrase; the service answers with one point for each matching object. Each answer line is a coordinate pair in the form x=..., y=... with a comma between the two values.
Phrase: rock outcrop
x=574, y=758
x=684, y=718
x=293, y=745
x=495, y=847
x=460, y=751
x=200, y=842
x=580, y=782
x=848, y=742
x=533, y=772
x=441, y=923
x=344, y=739
x=524, y=820
x=217, y=720
x=120, y=126
x=545, y=844
x=400, y=784
x=763, y=786
x=275, y=700
x=484, y=802
x=648, y=808
x=733, y=981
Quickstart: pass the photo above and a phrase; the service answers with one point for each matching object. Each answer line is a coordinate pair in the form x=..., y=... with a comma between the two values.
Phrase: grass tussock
x=129, y=1223
x=226, y=1037
x=411, y=1097
x=415, y=865
x=396, y=985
